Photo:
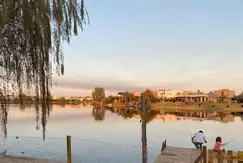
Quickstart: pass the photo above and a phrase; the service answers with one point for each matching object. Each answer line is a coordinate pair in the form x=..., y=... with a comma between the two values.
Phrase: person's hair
x=201, y=131
x=218, y=139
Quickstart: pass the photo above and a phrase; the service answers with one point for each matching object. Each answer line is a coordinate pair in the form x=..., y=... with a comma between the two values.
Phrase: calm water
x=103, y=135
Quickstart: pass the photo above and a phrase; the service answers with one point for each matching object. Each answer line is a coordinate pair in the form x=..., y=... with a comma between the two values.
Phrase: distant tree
x=62, y=99
x=128, y=97
x=149, y=96
x=241, y=95
x=239, y=98
x=110, y=99
x=98, y=94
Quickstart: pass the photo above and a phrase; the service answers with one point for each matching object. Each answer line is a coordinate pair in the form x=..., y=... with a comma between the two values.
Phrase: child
x=218, y=144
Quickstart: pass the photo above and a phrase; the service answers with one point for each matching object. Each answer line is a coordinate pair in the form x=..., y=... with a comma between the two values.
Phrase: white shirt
x=199, y=137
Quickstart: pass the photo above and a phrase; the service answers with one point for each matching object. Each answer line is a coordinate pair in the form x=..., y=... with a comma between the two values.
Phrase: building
x=155, y=93
x=225, y=92
x=192, y=98
x=212, y=97
x=225, y=95
x=168, y=93
x=188, y=92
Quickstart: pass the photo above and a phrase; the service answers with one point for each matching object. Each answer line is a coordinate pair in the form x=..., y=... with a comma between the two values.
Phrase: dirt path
x=14, y=159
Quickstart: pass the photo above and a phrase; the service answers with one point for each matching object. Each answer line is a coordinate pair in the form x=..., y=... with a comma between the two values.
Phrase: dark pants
x=198, y=145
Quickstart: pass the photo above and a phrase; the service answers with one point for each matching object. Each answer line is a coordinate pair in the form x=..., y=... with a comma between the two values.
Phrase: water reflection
x=42, y=113
x=98, y=113
x=128, y=113
x=4, y=118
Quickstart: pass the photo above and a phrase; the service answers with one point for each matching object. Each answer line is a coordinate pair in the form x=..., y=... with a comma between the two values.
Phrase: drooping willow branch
x=31, y=37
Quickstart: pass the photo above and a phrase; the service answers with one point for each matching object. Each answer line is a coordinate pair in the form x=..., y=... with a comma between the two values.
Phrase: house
x=192, y=98
x=212, y=97
x=168, y=93
x=225, y=95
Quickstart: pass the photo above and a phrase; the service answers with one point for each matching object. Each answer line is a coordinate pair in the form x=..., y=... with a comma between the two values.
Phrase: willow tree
x=31, y=36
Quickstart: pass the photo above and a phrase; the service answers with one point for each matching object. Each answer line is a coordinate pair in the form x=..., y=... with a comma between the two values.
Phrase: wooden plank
x=175, y=154
x=230, y=153
x=240, y=154
x=210, y=156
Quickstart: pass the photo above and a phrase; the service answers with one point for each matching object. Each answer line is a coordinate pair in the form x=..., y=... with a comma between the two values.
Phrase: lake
x=109, y=135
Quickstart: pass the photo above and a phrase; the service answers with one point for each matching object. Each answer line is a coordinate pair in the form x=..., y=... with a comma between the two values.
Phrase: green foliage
x=98, y=94
x=62, y=99
x=31, y=36
x=110, y=99
x=239, y=98
x=76, y=102
x=149, y=96
x=128, y=97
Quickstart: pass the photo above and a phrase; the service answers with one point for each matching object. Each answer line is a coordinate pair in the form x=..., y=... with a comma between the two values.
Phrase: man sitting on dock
x=198, y=139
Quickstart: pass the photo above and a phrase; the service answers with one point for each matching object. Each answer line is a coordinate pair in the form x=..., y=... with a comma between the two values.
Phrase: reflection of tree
x=151, y=115
x=98, y=113
x=42, y=110
x=4, y=115
x=37, y=110
x=126, y=113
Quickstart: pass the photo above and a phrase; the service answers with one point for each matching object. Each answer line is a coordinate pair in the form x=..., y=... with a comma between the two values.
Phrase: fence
x=74, y=150
x=225, y=156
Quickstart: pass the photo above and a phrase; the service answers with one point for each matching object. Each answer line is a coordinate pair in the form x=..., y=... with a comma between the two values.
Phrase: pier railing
x=203, y=157
x=225, y=156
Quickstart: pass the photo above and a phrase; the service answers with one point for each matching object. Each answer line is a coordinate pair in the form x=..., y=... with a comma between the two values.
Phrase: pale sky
x=136, y=44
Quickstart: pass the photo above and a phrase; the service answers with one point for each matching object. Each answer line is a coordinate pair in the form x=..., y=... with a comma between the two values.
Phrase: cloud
x=187, y=79
x=89, y=84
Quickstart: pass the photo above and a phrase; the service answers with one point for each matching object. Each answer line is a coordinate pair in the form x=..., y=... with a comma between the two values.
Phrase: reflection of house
x=167, y=93
x=225, y=119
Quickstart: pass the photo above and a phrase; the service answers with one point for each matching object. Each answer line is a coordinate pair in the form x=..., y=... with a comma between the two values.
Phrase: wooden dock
x=178, y=155
x=181, y=155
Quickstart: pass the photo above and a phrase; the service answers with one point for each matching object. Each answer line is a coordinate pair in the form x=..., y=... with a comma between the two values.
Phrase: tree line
x=98, y=95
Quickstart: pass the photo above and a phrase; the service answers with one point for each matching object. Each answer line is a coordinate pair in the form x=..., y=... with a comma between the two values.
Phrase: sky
x=138, y=44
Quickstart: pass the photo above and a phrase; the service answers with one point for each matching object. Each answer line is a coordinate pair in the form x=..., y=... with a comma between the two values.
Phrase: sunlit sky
x=132, y=45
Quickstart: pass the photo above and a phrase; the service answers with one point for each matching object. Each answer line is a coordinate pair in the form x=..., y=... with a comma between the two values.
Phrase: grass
x=196, y=107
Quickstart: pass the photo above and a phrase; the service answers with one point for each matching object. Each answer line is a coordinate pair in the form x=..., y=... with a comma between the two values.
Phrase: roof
x=212, y=95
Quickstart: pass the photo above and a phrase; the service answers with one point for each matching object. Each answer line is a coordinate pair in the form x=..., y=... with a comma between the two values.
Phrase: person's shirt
x=217, y=146
x=199, y=137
